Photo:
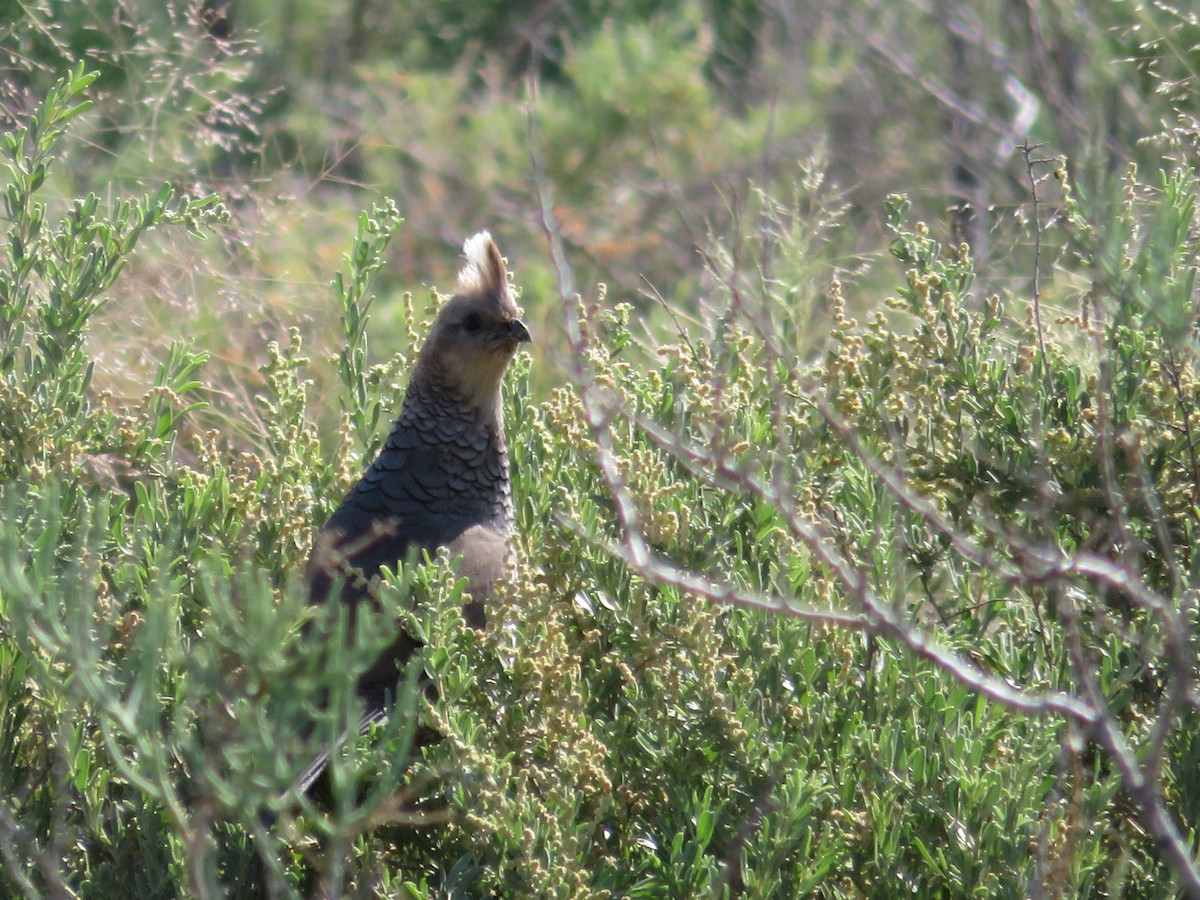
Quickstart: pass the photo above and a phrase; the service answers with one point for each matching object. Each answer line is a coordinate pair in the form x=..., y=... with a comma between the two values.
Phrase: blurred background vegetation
x=658, y=123
x=724, y=177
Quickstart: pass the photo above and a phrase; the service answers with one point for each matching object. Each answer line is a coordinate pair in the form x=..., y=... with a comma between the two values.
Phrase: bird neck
x=432, y=396
x=441, y=417
x=457, y=395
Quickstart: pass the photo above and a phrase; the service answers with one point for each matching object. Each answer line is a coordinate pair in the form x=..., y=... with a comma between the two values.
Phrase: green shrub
x=913, y=616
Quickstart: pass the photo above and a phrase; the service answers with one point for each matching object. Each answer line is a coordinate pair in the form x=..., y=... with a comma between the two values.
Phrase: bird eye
x=473, y=322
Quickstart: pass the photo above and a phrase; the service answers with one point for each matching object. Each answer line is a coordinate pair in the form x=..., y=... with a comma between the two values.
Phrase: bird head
x=478, y=329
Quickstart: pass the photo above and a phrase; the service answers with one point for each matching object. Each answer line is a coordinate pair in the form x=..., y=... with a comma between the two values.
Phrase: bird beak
x=518, y=332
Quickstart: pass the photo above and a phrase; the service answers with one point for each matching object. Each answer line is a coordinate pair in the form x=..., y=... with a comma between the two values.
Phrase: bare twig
x=1027, y=150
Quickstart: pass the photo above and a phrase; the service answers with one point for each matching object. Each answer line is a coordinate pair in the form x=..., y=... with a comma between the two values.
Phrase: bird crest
x=484, y=272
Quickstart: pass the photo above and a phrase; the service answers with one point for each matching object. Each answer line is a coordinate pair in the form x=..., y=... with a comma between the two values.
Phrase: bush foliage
x=906, y=608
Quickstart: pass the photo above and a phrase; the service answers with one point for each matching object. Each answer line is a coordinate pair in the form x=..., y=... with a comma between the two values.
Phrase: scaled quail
x=441, y=479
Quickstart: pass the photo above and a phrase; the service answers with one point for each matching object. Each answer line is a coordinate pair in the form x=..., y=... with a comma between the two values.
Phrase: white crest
x=484, y=271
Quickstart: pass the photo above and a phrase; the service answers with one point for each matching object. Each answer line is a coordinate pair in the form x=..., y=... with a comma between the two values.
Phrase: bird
x=442, y=476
